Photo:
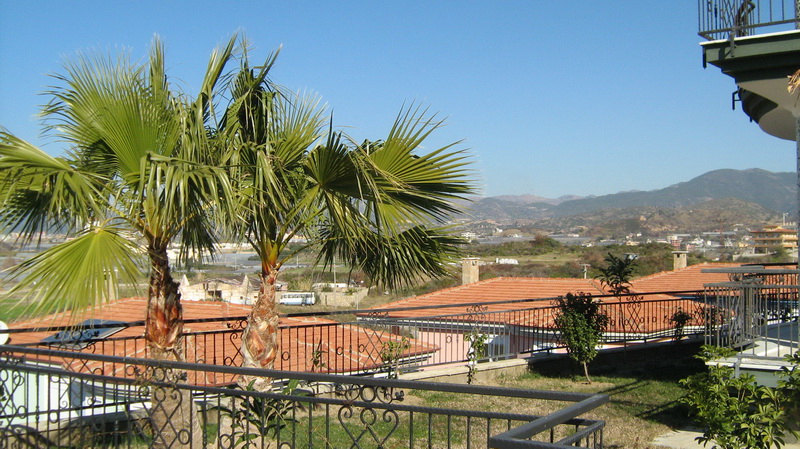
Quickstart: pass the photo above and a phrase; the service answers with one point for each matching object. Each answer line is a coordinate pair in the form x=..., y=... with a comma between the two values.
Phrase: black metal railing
x=43, y=403
x=411, y=338
x=726, y=19
x=756, y=312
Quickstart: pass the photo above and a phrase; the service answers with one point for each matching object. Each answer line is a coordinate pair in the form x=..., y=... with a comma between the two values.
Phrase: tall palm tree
x=376, y=205
x=135, y=179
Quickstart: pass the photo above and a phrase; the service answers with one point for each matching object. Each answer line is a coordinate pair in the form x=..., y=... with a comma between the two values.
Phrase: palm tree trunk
x=260, y=345
x=173, y=414
x=259, y=350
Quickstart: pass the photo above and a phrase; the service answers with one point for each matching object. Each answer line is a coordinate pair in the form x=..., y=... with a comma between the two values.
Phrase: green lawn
x=642, y=385
x=9, y=310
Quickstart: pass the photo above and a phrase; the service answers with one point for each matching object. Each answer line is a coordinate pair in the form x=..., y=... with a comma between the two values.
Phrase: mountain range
x=760, y=194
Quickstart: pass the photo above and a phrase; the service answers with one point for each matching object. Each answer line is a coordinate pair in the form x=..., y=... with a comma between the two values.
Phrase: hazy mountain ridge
x=650, y=221
x=772, y=193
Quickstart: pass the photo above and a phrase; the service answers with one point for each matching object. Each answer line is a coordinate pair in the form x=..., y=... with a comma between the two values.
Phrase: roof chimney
x=680, y=260
x=469, y=270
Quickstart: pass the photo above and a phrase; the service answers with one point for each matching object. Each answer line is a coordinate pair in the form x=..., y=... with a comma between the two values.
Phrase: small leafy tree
x=581, y=324
x=477, y=351
x=735, y=411
x=679, y=320
x=617, y=274
x=391, y=353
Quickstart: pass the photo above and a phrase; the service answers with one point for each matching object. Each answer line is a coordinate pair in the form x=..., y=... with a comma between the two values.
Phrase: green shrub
x=581, y=325
x=477, y=351
x=679, y=320
x=736, y=412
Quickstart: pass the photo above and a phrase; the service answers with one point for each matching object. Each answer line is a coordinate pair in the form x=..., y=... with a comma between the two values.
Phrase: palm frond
x=78, y=272
x=40, y=192
x=411, y=188
x=392, y=261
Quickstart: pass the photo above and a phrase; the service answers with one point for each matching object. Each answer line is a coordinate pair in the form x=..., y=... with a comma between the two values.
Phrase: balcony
x=42, y=405
x=756, y=313
x=757, y=43
x=727, y=19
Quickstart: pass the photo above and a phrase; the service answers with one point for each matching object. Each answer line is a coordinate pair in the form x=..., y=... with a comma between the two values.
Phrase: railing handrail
x=11, y=356
x=372, y=311
x=729, y=19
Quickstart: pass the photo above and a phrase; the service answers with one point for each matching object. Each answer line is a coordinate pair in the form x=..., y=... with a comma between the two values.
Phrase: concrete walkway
x=685, y=439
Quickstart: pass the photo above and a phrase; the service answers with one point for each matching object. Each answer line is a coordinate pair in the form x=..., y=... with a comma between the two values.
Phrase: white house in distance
x=238, y=292
x=227, y=290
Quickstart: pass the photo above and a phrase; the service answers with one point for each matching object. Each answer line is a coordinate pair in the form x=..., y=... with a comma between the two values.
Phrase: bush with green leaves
x=477, y=350
x=256, y=419
x=581, y=324
x=679, y=320
x=391, y=353
x=735, y=411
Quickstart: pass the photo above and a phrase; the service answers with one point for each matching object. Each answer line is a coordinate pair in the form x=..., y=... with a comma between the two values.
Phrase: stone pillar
x=469, y=270
x=680, y=260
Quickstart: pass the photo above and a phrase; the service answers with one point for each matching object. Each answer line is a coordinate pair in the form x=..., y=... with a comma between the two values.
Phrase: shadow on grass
x=644, y=381
x=669, y=362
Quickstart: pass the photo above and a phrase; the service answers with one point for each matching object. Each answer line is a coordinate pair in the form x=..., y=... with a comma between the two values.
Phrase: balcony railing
x=727, y=19
x=103, y=391
x=756, y=313
x=415, y=338
x=44, y=405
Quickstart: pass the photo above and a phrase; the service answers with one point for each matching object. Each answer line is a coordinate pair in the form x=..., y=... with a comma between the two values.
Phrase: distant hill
x=530, y=199
x=772, y=192
x=651, y=221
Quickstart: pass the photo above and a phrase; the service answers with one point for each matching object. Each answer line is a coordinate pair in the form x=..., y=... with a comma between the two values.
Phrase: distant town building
x=772, y=238
x=469, y=235
x=235, y=291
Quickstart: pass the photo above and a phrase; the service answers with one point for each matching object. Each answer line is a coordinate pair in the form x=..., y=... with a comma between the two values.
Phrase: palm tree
x=376, y=205
x=616, y=277
x=134, y=180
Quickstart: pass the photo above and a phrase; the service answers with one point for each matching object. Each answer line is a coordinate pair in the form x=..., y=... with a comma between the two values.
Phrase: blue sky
x=550, y=98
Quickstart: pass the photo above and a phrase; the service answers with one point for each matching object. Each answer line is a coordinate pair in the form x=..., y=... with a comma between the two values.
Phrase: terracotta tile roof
x=455, y=300
x=339, y=348
x=689, y=278
x=777, y=229
x=451, y=304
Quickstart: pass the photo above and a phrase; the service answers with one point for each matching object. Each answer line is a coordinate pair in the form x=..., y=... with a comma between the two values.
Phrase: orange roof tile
x=456, y=299
x=689, y=278
x=339, y=348
x=452, y=304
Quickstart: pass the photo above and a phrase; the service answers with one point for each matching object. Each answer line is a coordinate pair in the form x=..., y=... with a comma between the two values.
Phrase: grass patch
x=642, y=385
x=11, y=310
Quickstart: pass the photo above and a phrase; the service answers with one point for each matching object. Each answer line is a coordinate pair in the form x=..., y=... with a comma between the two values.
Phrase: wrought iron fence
x=727, y=19
x=55, y=398
x=389, y=341
x=756, y=313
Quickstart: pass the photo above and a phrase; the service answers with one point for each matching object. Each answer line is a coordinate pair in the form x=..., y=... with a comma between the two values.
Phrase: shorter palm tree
x=377, y=206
